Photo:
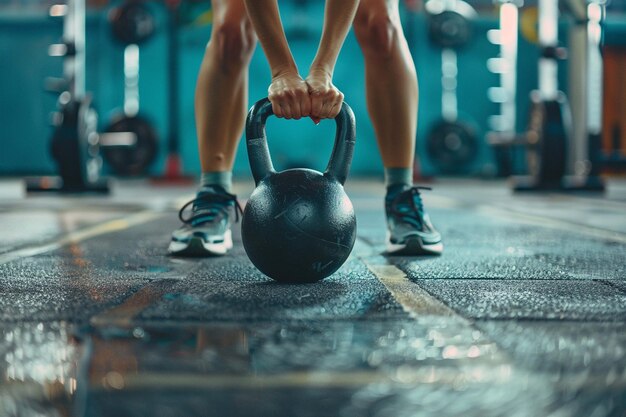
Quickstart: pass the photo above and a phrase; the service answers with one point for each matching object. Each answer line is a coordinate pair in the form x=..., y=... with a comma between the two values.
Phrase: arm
x=288, y=92
x=326, y=99
x=338, y=18
x=287, y=86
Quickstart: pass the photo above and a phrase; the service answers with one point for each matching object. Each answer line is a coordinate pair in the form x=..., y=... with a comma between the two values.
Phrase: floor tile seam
x=412, y=375
x=149, y=324
x=533, y=320
x=505, y=212
x=247, y=322
x=448, y=311
x=472, y=322
x=501, y=279
x=528, y=318
x=366, y=250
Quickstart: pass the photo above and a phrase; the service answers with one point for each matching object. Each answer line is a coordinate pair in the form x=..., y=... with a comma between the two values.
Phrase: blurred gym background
x=29, y=97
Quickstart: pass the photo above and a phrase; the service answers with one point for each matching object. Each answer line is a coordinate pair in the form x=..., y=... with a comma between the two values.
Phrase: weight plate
x=133, y=159
x=452, y=147
x=77, y=158
x=449, y=29
x=547, y=140
x=132, y=22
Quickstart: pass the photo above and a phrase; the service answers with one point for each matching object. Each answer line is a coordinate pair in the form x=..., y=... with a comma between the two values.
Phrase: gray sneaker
x=206, y=231
x=409, y=230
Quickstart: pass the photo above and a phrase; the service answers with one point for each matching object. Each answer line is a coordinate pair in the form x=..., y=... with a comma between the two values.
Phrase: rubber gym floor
x=523, y=315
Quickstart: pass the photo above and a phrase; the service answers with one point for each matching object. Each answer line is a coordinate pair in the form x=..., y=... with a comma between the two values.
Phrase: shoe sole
x=197, y=247
x=414, y=246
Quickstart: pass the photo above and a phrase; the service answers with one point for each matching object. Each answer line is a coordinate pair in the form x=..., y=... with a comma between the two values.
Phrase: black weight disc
x=131, y=160
x=132, y=22
x=449, y=29
x=547, y=140
x=452, y=147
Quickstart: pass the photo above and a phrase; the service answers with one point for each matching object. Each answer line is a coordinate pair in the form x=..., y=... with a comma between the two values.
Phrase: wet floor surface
x=523, y=315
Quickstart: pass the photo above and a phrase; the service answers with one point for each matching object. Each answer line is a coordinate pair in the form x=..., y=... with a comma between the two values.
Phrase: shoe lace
x=413, y=209
x=208, y=206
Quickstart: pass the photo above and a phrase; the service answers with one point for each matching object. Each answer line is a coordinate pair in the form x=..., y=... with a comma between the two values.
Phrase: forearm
x=265, y=19
x=338, y=17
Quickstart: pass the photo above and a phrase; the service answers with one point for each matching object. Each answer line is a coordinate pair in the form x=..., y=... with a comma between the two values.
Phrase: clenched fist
x=289, y=95
x=326, y=99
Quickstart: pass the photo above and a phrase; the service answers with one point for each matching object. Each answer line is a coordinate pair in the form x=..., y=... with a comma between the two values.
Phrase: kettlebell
x=298, y=225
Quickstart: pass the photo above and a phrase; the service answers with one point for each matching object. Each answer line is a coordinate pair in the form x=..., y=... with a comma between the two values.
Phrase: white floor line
x=83, y=234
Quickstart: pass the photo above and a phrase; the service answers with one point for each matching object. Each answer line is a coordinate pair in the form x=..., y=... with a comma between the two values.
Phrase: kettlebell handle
x=259, y=154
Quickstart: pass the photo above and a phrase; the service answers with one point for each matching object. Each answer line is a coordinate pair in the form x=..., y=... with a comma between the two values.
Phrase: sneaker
x=409, y=230
x=206, y=230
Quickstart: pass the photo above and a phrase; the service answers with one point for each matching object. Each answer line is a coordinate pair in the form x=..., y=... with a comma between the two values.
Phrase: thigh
x=228, y=11
x=370, y=9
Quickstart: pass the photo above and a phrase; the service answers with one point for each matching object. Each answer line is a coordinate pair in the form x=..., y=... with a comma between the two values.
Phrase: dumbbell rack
x=503, y=125
x=552, y=146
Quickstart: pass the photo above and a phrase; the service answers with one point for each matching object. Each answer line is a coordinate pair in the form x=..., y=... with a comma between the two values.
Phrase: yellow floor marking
x=414, y=300
x=83, y=234
x=411, y=297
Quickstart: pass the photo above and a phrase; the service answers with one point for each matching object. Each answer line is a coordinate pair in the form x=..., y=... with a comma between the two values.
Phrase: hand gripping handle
x=259, y=154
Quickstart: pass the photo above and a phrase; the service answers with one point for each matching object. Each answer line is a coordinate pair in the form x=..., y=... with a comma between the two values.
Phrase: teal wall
x=25, y=106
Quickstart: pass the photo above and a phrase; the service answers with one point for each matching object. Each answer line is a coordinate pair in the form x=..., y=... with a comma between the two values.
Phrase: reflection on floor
x=523, y=315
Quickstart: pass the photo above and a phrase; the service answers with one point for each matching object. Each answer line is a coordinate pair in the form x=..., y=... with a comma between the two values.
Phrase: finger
x=305, y=105
x=316, y=104
x=287, y=111
x=297, y=110
x=334, y=110
x=336, y=107
x=325, y=113
x=315, y=120
x=278, y=112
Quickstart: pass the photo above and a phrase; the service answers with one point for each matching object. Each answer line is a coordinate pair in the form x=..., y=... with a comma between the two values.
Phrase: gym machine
x=75, y=144
x=503, y=125
x=451, y=144
x=586, y=71
x=556, y=143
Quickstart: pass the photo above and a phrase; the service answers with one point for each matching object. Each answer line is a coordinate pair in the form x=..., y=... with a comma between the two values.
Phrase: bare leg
x=220, y=109
x=222, y=86
x=392, y=95
x=391, y=80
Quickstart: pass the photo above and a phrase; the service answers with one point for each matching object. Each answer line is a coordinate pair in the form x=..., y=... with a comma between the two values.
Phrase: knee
x=376, y=33
x=234, y=43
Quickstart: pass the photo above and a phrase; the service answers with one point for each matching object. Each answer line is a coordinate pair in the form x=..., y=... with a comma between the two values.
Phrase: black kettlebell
x=298, y=225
